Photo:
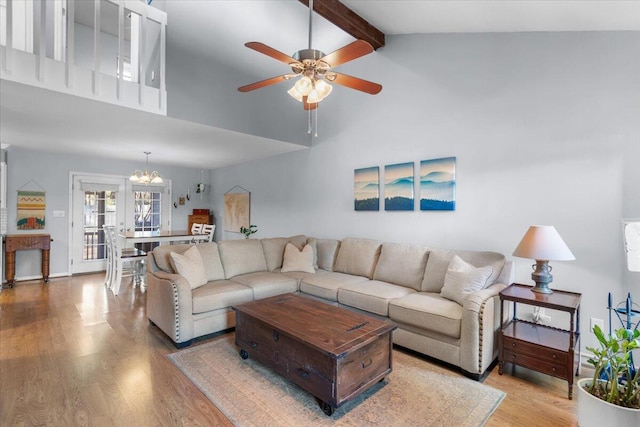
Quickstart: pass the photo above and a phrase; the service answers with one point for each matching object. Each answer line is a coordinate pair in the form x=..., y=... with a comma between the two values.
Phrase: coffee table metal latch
x=355, y=328
x=276, y=336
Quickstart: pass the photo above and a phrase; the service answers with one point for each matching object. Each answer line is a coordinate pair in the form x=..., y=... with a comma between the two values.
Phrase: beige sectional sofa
x=429, y=293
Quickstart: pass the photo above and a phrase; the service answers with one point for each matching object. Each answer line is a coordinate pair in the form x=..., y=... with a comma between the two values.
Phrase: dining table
x=161, y=236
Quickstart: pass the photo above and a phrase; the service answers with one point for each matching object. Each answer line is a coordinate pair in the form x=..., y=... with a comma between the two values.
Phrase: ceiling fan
x=315, y=70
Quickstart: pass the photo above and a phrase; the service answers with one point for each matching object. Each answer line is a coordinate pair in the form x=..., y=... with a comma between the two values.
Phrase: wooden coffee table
x=333, y=353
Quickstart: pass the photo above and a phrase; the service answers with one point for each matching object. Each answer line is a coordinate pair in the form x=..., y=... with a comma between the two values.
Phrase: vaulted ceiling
x=220, y=28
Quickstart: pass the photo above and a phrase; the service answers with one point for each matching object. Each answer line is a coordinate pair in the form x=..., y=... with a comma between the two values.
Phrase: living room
x=543, y=125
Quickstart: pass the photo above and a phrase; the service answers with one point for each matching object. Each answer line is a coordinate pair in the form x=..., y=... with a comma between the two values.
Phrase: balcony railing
x=107, y=50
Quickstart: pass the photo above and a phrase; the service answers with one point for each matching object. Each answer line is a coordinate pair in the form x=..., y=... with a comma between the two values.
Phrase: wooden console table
x=23, y=242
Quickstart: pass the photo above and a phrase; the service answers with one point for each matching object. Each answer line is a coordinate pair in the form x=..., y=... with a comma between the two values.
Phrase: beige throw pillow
x=297, y=260
x=462, y=279
x=190, y=266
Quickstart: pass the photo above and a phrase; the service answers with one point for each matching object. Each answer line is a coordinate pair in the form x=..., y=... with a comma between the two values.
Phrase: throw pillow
x=462, y=279
x=190, y=266
x=298, y=260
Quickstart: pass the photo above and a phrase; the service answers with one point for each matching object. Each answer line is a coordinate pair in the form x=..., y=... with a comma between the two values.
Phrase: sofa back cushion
x=241, y=257
x=326, y=251
x=439, y=260
x=402, y=264
x=273, y=248
x=208, y=251
x=358, y=257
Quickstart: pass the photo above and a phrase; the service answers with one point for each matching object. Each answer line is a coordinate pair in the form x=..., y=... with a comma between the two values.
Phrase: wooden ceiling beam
x=349, y=21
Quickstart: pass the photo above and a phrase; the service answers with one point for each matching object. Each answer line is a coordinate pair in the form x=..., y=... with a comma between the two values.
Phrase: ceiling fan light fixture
x=323, y=88
x=304, y=86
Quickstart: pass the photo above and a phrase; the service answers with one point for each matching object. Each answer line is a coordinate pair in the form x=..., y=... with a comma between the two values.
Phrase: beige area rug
x=416, y=393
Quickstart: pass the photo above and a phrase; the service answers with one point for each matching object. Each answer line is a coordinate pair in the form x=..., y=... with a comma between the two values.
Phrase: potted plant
x=248, y=231
x=612, y=395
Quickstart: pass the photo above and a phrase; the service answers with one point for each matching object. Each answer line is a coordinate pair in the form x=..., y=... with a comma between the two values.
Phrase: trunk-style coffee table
x=333, y=353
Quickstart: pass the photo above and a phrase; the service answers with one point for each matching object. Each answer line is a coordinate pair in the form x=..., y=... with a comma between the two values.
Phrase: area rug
x=416, y=393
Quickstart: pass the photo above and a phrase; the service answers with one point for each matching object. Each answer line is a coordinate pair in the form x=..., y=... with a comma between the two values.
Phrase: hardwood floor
x=71, y=353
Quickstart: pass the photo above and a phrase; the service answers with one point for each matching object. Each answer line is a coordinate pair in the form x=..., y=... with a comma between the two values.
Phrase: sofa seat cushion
x=429, y=311
x=300, y=275
x=220, y=294
x=267, y=283
x=372, y=296
x=326, y=285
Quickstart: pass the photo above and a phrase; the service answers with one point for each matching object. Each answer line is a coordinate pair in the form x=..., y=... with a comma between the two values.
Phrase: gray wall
x=545, y=129
x=51, y=172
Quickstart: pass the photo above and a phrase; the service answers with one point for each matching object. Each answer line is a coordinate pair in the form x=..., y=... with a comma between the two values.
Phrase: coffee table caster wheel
x=326, y=408
x=244, y=355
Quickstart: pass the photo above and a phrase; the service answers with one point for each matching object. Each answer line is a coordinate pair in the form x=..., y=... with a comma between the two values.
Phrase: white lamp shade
x=542, y=242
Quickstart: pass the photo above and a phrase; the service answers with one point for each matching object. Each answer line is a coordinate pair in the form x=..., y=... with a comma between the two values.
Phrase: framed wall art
x=237, y=209
x=398, y=187
x=366, y=189
x=438, y=184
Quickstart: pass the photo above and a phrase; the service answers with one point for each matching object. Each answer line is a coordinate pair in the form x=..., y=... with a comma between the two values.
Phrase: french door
x=97, y=201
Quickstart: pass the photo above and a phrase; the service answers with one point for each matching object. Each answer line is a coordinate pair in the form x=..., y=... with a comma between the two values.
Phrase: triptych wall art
x=437, y=186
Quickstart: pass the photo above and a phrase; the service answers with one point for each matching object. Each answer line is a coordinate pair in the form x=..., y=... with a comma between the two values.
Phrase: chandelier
x=145, y=177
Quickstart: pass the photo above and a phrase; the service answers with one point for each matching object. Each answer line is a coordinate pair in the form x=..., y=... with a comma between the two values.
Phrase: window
x=147, y=210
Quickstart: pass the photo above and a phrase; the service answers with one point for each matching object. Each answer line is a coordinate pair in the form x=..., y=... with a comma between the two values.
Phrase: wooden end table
x=23, y=242
x=549, y=350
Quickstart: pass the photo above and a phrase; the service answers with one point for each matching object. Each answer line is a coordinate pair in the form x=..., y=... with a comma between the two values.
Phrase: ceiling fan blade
x=356, y=83
x=269, y=51
x=263, y=83
x=348, y=53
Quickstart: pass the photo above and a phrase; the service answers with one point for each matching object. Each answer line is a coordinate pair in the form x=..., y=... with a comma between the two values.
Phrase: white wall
x=51, y=172
x=545, y=130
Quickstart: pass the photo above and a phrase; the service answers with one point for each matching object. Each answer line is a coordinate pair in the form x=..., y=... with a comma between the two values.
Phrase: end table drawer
x=539, y=352
x=532, y=362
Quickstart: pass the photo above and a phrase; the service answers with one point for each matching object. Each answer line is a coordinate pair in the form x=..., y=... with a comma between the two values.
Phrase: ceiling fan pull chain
x=309, y=128
x=317, y=108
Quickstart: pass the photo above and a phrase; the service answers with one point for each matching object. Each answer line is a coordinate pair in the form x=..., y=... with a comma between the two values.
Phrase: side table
x=20, y=242
x=549, y=350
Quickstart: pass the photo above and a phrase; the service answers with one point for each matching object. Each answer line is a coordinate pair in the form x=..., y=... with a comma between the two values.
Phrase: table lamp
x=544, y=244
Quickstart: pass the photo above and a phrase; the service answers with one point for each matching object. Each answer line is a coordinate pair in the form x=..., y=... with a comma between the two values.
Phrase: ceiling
x=222, y=27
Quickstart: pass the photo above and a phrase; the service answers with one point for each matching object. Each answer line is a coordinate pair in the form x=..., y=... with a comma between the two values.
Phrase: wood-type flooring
x=72, y=353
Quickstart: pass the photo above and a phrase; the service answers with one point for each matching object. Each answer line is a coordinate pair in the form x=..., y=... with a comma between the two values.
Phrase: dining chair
x=125, y=262
x=196, y=228
x=107, y=246
x=208, y=229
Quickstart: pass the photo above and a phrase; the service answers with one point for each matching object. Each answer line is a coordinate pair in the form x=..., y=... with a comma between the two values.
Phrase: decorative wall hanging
x=31, y=208
x=398, y=187
x=366, y=189
x=237, y=208
x=438, y=184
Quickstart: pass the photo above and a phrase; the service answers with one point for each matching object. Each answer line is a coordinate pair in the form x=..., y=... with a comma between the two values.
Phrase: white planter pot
x=598, y=413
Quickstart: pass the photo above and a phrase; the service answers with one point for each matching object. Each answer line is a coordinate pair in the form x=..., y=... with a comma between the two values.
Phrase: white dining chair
x=196, y=228
x=208, y=229
x=124, y=262
x=107, y=246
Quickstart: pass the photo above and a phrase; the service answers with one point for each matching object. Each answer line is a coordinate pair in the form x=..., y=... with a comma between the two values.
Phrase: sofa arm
x=169, y=305
x=480, y=323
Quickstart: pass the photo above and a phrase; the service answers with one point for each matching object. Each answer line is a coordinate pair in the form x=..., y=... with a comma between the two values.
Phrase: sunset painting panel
x=438, y=184
x=398, y=187
x=367, y=189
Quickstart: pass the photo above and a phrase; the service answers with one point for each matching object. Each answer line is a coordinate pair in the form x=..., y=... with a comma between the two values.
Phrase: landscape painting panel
x=367, y=189
x=438, y=184
x=398, y=187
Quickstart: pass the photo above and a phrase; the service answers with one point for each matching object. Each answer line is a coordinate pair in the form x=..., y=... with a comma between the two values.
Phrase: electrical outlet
x=598, y=322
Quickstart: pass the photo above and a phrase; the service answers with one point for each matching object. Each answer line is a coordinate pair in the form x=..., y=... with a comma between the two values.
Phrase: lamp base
x=542, y=276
